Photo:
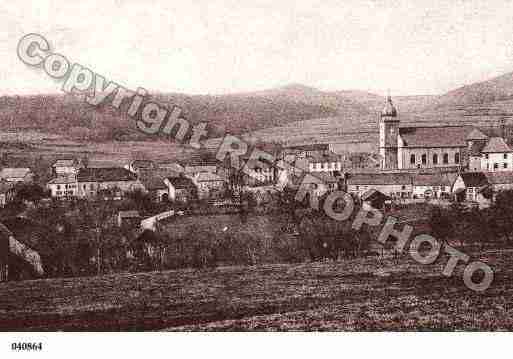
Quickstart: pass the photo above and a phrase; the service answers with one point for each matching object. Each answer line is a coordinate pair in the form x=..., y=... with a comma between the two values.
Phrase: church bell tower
x=388, y=134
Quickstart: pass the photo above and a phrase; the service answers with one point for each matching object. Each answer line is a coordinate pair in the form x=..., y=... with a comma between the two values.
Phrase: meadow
x=374, y=293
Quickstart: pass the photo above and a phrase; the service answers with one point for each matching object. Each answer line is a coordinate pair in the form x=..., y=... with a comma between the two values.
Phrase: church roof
x=496, y=145
x=439, y=136
x=475, y=134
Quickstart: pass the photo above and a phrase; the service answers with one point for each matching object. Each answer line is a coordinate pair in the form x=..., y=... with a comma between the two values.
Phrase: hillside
x=292, y=113
x=497, y=89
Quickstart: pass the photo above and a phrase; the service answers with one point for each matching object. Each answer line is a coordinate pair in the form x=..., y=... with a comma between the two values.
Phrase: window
x=435, y=159
x=403, y=187
x=470, y=190
x=446, y=158
x=487, y=166
x=505, y=156
x=495, y=166
x=424, y=159
x=505, y=165
x=456, y=158
x=486, y=155
x=412, y=159
x=58, y=186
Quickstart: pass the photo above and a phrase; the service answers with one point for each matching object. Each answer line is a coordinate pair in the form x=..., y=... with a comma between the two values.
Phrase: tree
x=502, y=209
x=441, y=225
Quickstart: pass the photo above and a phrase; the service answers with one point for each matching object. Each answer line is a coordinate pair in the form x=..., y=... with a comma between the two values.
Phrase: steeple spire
x=389, y=110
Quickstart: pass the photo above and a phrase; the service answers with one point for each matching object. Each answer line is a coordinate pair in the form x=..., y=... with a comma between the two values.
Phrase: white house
x=63, y=187
x=496, y=156
x=66, y=167
x=426, y=185
x=391, y=184
x=327, y=162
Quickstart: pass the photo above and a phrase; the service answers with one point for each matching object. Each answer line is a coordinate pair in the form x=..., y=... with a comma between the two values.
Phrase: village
x=415, y=166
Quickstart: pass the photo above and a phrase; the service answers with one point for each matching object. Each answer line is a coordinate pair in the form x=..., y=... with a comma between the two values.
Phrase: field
x=360, y=294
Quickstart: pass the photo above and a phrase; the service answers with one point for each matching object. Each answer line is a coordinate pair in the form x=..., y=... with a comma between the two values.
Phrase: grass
x=360, y=294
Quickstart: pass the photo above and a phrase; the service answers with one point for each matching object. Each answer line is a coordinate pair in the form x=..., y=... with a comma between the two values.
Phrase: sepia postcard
x=255, y=166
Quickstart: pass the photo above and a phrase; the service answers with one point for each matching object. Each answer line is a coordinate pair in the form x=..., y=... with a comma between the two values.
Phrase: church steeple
x=389, y=110
x=388, y=135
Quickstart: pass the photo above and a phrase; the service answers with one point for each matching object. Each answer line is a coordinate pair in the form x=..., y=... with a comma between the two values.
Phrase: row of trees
x=473, y=226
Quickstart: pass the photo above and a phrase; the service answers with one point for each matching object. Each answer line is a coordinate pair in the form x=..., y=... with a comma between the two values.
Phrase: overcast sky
x=215, y=47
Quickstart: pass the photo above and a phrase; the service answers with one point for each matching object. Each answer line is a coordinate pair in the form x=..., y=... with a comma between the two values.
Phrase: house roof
x=142, y=164
x=112, y=174
x=171, y=166
x=316, y=178
x=153, y=182
x=309, y=147
x=475, y=134
x=474, y=179
x=431, y=179
x=208, y=177
x=64, y=162
x=440, y=136
x=373, y=194
x=181, y=182
x=379, y=178
x=328, y=157
x=496, y=145
x=63, y=180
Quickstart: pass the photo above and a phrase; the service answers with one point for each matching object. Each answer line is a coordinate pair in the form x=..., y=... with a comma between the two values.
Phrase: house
x=481, y=186
x=374, y=199
x=319, y=183
x=469, y=186
x=196, y=167
x=181, y=188
x=66, y=167
x=107, y=182
x=136, y=166
x=258, y=173
x=326, y=162
x=16, y=175
x=156, y=187
x=436, y=185
x=496, y=156
x=63, y=187
x=209, y=185
x=7, y=193
x=128, y=218
x=392, y=184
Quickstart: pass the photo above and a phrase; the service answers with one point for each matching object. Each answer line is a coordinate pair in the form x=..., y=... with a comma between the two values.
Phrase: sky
x=218, y=47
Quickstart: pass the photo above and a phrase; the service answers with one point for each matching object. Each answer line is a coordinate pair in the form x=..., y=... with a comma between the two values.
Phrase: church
x=448, y=147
